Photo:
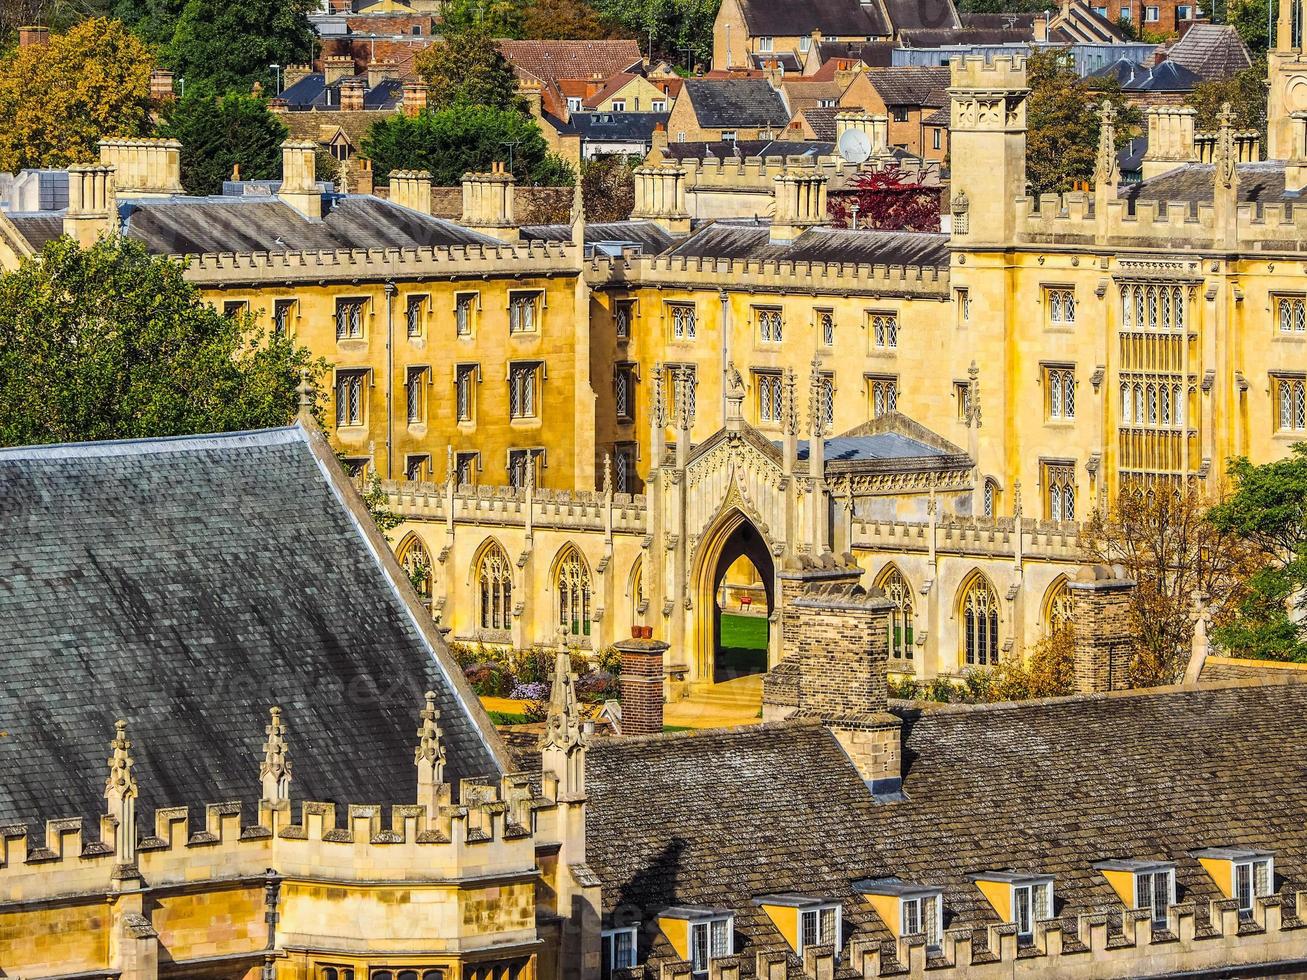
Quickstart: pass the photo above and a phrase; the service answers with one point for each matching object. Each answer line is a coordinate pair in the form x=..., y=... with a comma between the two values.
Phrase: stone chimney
x=294, y=73
x=1295, y=167
x=1041, y=28
x=876, y=128
x=774, y=73
x=845, y=72
x=488, y=203
x=533, y=95
x=411, y=189
x=33, y=36
x=660, y=197
x=1101, y=597
x=351, y=95
x=162, y=88
x=299, y=178
x=382, y=71
x=363, y=183
x=1170, y=139
x=642, y=685
x=414, y=98
x=800, y=204
x=144, y=167
x=336, y=68
x=92, y=203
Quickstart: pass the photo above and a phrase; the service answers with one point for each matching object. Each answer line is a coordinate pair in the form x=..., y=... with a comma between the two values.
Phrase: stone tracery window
x=495, y=589
x=979, y=615
x=1058, y=609
x=897, y=591
x=572, y=582
x=417, y=566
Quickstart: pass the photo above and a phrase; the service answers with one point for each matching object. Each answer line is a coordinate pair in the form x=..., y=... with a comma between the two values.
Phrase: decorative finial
x=791, y=414
x=1016, y=499
x=121, y=784
x=1106, y=168
x=578, y=202
x=563, y=723
x=451, y=472
x=659, y=407
x=608, y=474
x=305, y=391
x=973, y=396
x=430, y=754
x=275, y=771
x=816, y=410
x=1226, y=155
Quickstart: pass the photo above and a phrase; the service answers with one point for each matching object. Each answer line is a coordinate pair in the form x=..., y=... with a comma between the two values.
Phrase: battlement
x=1002, y=72
x=1048, y=540
x=578, y=510
x=759, y=172
x=536, y=258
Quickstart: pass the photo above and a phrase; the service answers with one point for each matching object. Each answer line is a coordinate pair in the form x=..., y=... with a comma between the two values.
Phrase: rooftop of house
x=872, y=53
x=651, y=238
x=749, y=240
x=911, y=15
x=735, y=103
x=313, y=92
x=1169, y=76
x=822, y=121
x=612, y=126
x=1192, y=183
x=552, y=61
x=1046, y=787
x=834, y=18
x=1080, y=22
x=911, y=85
x=787, y=60
x=1211, y=51
x=167, y=582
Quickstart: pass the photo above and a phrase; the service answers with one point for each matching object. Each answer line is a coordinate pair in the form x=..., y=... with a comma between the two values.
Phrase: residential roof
x=1047, y=787
x=652, y=238
x=938, y=37
x=1169, y=76
x=610, y=88
x=38, y=228
x=1211, y=51
x=837, y=18
x=908, y=15
x=787, y=60
x=821, y=119
x=1079, y=22
x=806, y=93
x=623, y=127
x=740, y=240
x=550, y=61
x=186, y=225
x=313, y=92
x=744, y=103
x=1192, y=183
x=187, y=586
x=879, y=54
x=911, y=85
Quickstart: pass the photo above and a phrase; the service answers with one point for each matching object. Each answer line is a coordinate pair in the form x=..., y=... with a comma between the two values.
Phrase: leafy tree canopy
x=886, y=199
x=1268, y=511
x=573, y=20
x=497, y=18
x=673, y=25
x=218, y=133
x=452, y=142
x=1246, y=93
x=467, y=69
x=112, y=343
x=232, y=43
x=57, y=101
x=1062, y=121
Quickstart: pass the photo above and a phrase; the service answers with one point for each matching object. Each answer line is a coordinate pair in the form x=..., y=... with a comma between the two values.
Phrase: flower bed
x=525, y=675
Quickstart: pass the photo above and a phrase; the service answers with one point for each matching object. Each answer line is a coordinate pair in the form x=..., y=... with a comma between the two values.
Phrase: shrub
x=489, y=680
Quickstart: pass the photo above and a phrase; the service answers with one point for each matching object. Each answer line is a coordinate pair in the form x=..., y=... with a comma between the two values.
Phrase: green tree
x=231, y=43
x=218, y=133
x=467, y=69
x=674, y=25
x=153, y=21
x=1249, y=19
x=1268, y=511
x=59, y=100
x=110, y=342
x=1246, y=93
x=573, y=20
x=452, y=142
x=497, y=18
x=1062, y=121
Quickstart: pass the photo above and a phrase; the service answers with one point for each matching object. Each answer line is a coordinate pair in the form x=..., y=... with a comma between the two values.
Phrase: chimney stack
x=411, y=189
x=144, y=167
x=1101, y=597
x=33, y=36
x=660, y=197
x=294, y=73
x=642, y=684
x=351, y=95
x=161, y=85
x=800, y=204
x=1041, y=28
x=488, y=203
x=299, y=178
x=337, y=67
x=92, y=203
x=1170, y=139
x=414, y=98
x=382, y=71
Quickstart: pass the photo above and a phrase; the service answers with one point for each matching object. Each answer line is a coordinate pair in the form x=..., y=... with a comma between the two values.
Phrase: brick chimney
x=381, y=71
x=337, y=67
x=144, y=167
x=161, y=85
x=488, y=203
x=411, y=189
x=1101, y=597
x=33, y=36
x=92, y=203
x=642, y=685
x=299, y=178
x=351, y=95
x=415, y=97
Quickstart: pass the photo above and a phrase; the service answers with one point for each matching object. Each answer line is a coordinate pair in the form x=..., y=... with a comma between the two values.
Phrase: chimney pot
x=33, y=36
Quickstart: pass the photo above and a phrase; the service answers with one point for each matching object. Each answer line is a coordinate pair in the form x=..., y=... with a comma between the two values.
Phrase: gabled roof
x=879, y=54
x=745, y=103
x=187, y=586
x=609, y=89
x=836, y=18
x=821, y=119
x=1169, y=76
x=1211, y=51
x=1079, y=22
x=911, y=85
x=910, y=15
x=551, y=61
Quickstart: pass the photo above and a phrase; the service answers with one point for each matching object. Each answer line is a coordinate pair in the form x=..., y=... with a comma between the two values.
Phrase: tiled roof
x=910, y=85
x=822, y=121
x=187, y=586
x=909, y=15
x=1048, y=787
x=550, y=61
x=610, y=87
x=652, y=238
x=940, y=117
x=938, y=37
x=805, y=93
x=735, y=103
x=1192, y=183
x=837, y=18
x=728, y=240
x=879, y=54
x=1212, y=51
x=614, y=126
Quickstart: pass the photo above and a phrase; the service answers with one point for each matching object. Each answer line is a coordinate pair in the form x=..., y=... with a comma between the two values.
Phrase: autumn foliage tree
x=58, y=100
x=466, y=69
x=572, y=20
x=886, y=199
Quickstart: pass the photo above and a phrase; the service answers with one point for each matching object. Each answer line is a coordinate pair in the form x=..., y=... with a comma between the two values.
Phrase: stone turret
x=1170, y=139
x=987, y=147
x=144, y=167
x=92, y=203
x=800, y=204
x=299, y=178
x=488, y=203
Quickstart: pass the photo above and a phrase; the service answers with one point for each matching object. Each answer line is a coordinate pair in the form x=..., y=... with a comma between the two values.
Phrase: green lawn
x=743, y=647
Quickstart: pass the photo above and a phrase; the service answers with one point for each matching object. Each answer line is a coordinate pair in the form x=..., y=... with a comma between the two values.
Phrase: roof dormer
x=699, y=934
x=804, y=921
x=1020, y=897
x=1143, y=885
x=1240, y=873
x=907, y=909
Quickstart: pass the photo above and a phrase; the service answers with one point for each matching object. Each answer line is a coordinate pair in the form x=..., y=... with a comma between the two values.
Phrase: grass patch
x=677, y=728
x=506, y=718
x=743, y=647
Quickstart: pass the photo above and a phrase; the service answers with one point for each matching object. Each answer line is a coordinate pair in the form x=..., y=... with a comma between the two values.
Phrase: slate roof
x=908, y=15
x=254, y=223
x=1048, y=786
x=1192, y=183
x=624, y=127
x=1211, y=51
x=38, y=229
x=728, y=103
x=652, y=238
x=787, y=60
x=875, y=53
x=863, y=449
x=822, y=121
x=313, y=92
x=910, y=85
x=188, y=585
x=1169, y=76
x=837, y=18
x=729, y=240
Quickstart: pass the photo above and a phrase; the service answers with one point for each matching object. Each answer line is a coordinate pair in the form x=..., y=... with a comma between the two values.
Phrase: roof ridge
x=766, y=726
x=279, y=436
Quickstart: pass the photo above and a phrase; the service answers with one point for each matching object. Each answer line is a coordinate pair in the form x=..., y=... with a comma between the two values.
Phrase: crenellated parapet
x=570, y=510
x=991, y=537
x=759, y=173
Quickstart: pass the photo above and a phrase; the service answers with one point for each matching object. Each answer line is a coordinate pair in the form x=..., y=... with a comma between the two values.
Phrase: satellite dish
x=855, y=146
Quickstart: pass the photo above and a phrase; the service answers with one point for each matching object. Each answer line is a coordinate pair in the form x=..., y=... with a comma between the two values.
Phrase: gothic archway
x=734, y=541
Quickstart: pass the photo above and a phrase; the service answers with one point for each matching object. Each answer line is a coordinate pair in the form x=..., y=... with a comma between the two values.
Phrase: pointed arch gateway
x=731, y=537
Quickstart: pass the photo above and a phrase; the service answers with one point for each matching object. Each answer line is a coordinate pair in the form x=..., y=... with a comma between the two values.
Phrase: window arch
x=636, y=591
x=416, y=562
x=989, y=500
x=572, y=586
x=978, y=612
x=897, y=591
x=494, y=578
x=1058, y=610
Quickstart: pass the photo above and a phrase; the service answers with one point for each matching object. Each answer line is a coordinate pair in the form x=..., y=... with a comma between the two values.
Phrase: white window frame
x=619, y=105
x=717, y=934
x=609, y=939
x=818, y=916
x=1148, y=880
x=1026, y=905
x=1152, y=14
x=913, y=912
x=729, y=136
x=1248, y=867
x=766, y=43
x=805, y=44
x=658, y=105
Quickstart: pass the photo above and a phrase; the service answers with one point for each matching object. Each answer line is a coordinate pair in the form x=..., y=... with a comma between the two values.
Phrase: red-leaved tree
x=885, y=199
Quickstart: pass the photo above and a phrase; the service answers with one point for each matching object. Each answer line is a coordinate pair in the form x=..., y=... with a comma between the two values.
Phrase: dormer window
x=906, y=908
x=1018, y=897
x=804, y=921
x=1148, y=885
x=698, y=934
x=1240, y=873
x=618, y=947
x=819, y=927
